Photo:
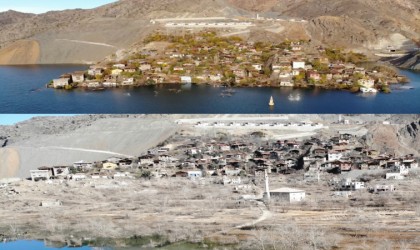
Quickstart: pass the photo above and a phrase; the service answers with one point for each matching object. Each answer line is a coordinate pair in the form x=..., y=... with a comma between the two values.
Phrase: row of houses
x=202, y=158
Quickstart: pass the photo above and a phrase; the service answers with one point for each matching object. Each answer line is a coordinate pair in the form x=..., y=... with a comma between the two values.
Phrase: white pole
x=267, y=189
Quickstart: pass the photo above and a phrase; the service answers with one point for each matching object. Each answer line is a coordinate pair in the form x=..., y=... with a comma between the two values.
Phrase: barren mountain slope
x=64, y=140
x=348, y=22
x=89, y=35
x=75, y=36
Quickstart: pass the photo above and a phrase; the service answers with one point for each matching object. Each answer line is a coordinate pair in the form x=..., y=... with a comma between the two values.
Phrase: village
x=228, y=160
x=232, y=182
x=204, y=57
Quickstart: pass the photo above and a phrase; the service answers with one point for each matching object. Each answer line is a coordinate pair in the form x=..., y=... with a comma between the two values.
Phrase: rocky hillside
x=400, y=140
x=410, y=61
x=75, y=36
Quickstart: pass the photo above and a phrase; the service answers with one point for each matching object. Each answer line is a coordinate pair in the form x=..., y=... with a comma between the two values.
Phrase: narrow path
x=266, y=214
x=89, y=150
x=86, y=42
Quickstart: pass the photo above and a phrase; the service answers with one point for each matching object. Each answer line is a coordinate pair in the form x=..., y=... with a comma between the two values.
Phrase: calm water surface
x=23, y=91
x=34, y=245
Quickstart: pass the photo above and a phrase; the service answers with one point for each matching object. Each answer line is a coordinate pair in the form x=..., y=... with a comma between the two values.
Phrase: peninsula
x=205, y=57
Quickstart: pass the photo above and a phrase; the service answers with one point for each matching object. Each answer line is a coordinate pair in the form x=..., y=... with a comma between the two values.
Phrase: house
x=60, y=171
x=286, y=82
x=56, y=171
x=410, y=163
x=40, y=175
x=349, y=185
x=181, y=174
x=61, y=82
x=290, y=195
x=342, y=165
x=177, y=68
x=333, y=156
x=127, y=82
x=367, y=83
x=119, y=66
x=257, y=67
x=298, y=65
x=186, y=79
x=130, y=69
x=382, y=188
x=81, y=165
x=93, y=85
x=78, y=77
x=126, y=163
x=109, y=84
x=55, y=203
x=195, y=174
x=394, y=176
x=116, y=72
x=95, y=71
x=315, y=76
x=78, y=177
x=232, y=172
x=145, y=67
x=224, y=147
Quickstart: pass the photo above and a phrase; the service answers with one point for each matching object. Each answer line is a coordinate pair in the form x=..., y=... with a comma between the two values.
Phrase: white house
x=257, y=67
x=109, y=84
x=78, y=77
x=82, y=165
x=145, y=67
x=367, y=83
x=333, y=156
x=93, y=85
x=288, y=194
x=128, y=81
x=298, y=65
x=61, y=82
x=119, y=66
x=286, y=82
x=186, y=79
x=40, y=174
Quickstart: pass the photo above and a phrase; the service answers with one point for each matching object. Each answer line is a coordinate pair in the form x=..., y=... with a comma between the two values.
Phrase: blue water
x=33, y=245
x=23, y=91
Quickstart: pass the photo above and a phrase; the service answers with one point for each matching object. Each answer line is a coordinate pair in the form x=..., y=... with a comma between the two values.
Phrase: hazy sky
x=41, y=6
x=12, y=119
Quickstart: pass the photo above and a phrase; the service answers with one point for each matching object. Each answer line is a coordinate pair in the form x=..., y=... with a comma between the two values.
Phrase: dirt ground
x=184, y=210
x=20, y=52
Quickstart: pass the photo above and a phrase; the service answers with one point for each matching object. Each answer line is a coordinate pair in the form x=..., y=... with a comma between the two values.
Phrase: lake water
x=40, y=245
x=35, y=245
x=23, y=91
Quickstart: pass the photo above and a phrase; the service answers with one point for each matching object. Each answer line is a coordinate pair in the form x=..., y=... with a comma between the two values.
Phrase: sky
x=11, y=119
x=41, y=6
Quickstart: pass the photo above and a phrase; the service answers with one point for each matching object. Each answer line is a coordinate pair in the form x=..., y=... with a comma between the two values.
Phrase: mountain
x=75, y=36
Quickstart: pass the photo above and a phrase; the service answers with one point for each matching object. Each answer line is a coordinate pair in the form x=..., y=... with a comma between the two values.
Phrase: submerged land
x=334, y=182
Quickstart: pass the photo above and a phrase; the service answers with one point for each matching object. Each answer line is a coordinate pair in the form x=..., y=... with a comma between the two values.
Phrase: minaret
x=267, y=188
